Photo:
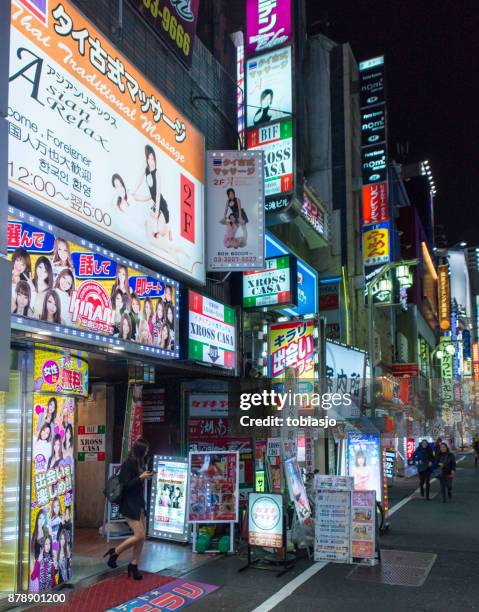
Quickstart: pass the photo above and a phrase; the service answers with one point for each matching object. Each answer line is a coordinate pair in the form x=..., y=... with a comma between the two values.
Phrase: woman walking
x=132, y=506
x=423, y=456
x=446, y=462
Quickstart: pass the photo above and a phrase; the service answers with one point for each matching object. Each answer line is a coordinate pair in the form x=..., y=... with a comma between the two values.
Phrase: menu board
x=265, y=520
x=363, y=526
x=332, y=526
x=214, y=487
x=168, y=498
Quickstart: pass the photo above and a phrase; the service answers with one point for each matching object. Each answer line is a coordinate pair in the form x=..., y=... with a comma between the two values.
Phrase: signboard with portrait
x=60, y=281
x=175, y=23
x=345, y=371
x=376, y=246
x=269, y=93
x=214, y=487
x=211, y=331
x=363, y=526
x=169, y=489
x=276, y=140
x=291, y=345
x=296, y=490
x=275, y=285
x=268, y=24
x=265, y=520
x=91, y=139
x=235, y=210
x=364, y=462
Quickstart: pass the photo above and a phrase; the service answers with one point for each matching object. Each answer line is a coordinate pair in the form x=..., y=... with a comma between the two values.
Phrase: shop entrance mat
x=175, y=595
x=397, y=567
x=106, y=594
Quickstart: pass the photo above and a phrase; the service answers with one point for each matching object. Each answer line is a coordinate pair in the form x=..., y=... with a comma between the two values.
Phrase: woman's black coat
x=133, y=500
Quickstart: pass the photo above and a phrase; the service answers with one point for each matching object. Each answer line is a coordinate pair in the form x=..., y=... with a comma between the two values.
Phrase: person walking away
x=132, y=506
x=475, y=447
x=423, y=457
x=446, y=462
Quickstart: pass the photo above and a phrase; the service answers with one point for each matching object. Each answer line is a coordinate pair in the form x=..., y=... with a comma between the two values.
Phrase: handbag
x=437, y=472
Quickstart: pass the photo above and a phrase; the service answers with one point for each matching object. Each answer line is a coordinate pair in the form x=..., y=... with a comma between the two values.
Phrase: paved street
x=450, y=531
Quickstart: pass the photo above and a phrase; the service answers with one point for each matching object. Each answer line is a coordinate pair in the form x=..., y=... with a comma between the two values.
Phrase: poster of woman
x=364, y=462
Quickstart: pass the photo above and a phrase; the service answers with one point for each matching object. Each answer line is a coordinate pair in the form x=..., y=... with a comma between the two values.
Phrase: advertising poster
x=91, y=443
x=297, y=492
x=265, y=520
x=133, y=425
x=235, y=210
x=59, y=281
x=211, y=331
x=51, y=514
x=345, y=372
x=274, y=286
x=276, y=140
x=60, y=372
x=291, y=345
x=269, y=94
x=364, y=462
x=363, y=525
x=92, y=139
x=268, y=24
x=113, y=511
x=376, y=249
x=175, y=23
x=332, y=526
x=169, y=488
x=214, y=487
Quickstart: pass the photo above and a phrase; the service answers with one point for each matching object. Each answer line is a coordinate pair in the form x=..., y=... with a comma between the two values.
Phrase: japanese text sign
x=268, y=24
x=376, y=248
x=265, y=520
x=291, y=345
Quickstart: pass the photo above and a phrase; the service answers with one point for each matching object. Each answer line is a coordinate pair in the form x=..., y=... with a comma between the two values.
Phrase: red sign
x=410, y=448
x=187, y=209
x=405, y=369
x=375, y=203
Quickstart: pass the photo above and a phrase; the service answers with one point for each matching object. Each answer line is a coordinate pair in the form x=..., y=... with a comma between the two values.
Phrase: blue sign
x=466, y=344
x=93, y=265
x=33, y=239
x=146, y=286
x=307, y=280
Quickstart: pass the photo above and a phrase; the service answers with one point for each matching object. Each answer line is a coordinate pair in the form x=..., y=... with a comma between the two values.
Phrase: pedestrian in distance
x=446, y=464
x=423, y=457
x=133, y=473
x=437, y=444
x=475, y=448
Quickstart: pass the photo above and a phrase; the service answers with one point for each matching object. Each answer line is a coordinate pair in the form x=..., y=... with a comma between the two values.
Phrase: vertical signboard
x=265, y=520
x=268, y=24
x=363, y=526
x=297, y=492
x=291, y=345
x=235, y=210
x=444, y=288
x=364, y=462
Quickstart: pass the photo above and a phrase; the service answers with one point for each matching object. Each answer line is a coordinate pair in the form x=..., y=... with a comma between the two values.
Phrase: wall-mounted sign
x=409, y=448
x=376, y=248
x=269, y=93
x=291, y=345
x=276, y=285
x=211, y=331
x=345, y=371
x=374, y=164
x=447, y=370
x=444, y=288
x=69, y=286
x=214, y=487
x=364, y=462
x=307, y=280
x=265, y=520
x=92, y=139
x=60, y=372
x=169, y=489
x=276, y=140
x=313, y=215
x=268, y=24
x=389, y=461
x=372, y=82
x=208, y=404
x=375, y=203
x=91, y=443
x=175, y=23
x=373, y=126
x=235, y=210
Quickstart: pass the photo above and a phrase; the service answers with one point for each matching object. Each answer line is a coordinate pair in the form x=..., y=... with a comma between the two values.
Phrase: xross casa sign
x=274, y=286
x=211, y=331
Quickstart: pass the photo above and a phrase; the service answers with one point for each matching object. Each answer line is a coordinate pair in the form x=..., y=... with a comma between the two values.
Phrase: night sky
x=431, y=50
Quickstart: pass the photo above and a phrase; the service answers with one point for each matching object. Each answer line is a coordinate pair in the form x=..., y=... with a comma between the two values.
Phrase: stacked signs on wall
x=376, y=220
x=269, y=96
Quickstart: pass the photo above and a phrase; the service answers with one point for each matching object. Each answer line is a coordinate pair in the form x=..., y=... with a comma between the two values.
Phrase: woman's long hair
x=138, y=452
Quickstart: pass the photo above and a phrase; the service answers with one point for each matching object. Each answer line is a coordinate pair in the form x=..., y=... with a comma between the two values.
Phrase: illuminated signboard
x=63, y=284
x=269, y=87
x=268, y=24
x=410, y=447
x=444, y=297
x=211, y=331
x=389, y=460
x=169, y=490
x=364, y=462
x=276, y=140
x=276, y=285
x=372, y=82
x=447, y=370
x=374, y=165
x=376, y=248
x=265, y=520
x=373, y=126
x=235, y=210
x=375, y=203
x=313, y=215
x=175, y=22
x=291, y=345
x=90, y=138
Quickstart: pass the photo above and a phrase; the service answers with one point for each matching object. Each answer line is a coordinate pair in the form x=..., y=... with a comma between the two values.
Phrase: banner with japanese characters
x=64, y=283
x=60, y=372
x=376, y=247
x=291, y=345
x=235, y=210
x=345, y=372
x=268, y=24
x=92, y=139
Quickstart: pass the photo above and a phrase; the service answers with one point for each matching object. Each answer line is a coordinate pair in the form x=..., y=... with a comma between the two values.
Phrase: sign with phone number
x=174, y=21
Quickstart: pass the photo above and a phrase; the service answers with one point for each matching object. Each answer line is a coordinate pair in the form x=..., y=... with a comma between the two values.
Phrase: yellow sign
x=61, y=372
x=444, y=297
x=376, y=247
x=291, y=345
